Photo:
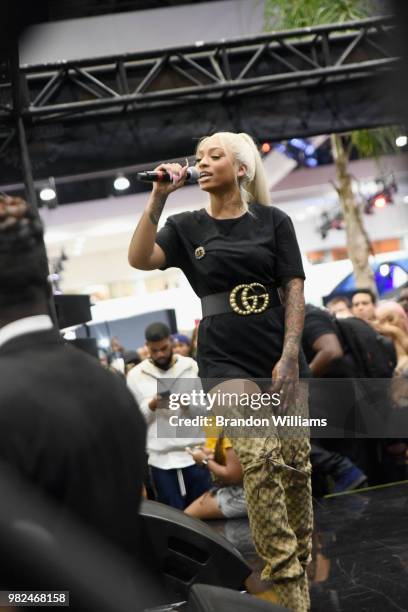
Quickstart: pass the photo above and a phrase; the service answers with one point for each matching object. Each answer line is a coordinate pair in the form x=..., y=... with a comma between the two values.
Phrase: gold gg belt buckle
x=244, y=300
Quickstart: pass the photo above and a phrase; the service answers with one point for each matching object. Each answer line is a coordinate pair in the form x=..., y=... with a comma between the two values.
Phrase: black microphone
x=161, y=176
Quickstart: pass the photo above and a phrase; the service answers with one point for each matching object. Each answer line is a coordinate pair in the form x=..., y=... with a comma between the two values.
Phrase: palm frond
x=376, y=142
x=290, y=14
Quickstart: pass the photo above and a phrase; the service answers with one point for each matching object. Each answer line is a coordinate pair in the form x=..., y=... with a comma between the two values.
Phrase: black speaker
x=207, y=598
x=72, y=309
x=185, y=551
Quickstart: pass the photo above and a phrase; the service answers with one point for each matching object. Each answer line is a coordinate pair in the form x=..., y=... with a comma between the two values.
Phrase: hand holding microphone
x=166, y=178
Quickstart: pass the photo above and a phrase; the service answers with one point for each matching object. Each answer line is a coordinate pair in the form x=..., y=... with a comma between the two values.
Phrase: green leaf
x=290, y=14
x=376, y=142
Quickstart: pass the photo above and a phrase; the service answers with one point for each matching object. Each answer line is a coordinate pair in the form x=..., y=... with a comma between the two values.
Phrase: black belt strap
x=219, y=303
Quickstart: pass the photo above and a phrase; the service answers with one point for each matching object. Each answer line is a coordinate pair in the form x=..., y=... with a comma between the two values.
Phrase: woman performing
x=245, y=333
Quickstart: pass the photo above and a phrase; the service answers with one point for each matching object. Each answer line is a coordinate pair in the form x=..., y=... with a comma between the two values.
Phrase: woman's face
x=217, y=167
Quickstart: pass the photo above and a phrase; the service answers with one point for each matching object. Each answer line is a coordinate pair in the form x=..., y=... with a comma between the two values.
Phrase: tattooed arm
x=294, y=302
x=144, y=253
x=286, y=371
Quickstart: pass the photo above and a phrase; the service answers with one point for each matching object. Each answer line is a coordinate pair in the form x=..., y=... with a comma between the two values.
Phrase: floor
x=360, y=550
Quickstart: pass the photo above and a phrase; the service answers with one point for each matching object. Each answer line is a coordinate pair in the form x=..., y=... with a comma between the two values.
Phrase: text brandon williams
x=250, y=421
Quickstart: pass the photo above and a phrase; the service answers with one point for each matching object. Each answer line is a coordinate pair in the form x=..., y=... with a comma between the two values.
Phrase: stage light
x=406, y=199
x=401, y=141
x=298, y=143
x=380, y=201
x=69, y=335
x=104, y=343
x=47, y=194
x=311, y=162
x=311, y=210
x=384, y=269
x=121, y=183
x=265, y=148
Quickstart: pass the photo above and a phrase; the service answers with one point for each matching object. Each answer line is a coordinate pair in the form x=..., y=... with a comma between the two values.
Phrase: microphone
x=161, y=176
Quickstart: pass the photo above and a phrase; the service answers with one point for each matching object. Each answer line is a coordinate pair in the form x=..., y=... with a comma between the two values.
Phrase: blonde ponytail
x=258, y=186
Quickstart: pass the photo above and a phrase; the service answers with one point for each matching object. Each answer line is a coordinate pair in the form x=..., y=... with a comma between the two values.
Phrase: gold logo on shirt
x=244, y=299
x=199, y=252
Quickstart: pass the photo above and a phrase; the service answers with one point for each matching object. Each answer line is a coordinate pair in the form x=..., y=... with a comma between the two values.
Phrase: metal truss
x=278, y=61
x=7, y=103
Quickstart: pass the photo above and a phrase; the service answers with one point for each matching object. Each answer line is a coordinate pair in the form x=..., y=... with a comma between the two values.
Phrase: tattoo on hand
x=156, y=209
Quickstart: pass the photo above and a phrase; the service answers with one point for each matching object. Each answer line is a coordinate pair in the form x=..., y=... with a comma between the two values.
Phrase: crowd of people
x=387, y=317
x=215, y=489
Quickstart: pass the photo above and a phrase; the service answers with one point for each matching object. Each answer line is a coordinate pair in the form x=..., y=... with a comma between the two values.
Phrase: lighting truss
x=264, y=64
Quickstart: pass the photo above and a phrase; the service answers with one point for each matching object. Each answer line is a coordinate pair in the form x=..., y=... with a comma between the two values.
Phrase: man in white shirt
x=176, y=478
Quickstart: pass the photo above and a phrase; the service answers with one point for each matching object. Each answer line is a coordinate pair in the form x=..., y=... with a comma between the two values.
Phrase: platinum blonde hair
x=253, y=185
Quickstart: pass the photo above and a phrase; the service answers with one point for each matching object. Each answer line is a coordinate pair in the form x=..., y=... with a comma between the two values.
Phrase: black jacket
x=73, y=430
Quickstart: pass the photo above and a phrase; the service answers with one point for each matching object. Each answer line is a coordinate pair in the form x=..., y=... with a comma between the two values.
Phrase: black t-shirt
x=317, y=323
x=260, y=246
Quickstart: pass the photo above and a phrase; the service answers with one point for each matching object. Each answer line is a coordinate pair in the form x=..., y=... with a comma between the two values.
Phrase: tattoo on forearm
x=156, y=209
x=294, y=315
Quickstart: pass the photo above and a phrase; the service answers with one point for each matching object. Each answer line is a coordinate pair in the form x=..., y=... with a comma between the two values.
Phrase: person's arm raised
x=144, y=253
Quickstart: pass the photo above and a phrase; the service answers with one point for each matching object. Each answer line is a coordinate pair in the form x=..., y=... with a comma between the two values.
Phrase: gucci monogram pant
x=279, y=500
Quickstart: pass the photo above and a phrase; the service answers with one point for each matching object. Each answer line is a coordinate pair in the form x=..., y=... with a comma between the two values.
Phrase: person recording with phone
x=176, y=479
x=241, y=257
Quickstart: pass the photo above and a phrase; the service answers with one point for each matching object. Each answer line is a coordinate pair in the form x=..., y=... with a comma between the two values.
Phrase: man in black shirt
x=322, y=346
x=326, y=359
x=67, y=426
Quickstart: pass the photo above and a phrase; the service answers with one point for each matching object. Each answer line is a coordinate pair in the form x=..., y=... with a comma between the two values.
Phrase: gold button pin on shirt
x=199, y=252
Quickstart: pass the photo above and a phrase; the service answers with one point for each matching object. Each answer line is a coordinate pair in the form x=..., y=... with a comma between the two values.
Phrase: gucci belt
x=244, y=299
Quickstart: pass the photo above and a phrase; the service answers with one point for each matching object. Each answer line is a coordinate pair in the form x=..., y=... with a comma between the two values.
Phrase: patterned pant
x=279, y=502
x=278, y=495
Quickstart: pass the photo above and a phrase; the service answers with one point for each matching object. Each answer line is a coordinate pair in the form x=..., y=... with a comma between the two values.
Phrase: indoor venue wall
x=141, y=30
x=129, y=331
